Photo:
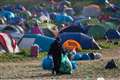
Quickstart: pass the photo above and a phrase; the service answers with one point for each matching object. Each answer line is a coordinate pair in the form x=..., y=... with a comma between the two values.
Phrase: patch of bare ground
x=86, y=69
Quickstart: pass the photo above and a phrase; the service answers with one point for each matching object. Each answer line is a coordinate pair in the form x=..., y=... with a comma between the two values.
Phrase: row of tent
x=41, y=29
x=44, y=42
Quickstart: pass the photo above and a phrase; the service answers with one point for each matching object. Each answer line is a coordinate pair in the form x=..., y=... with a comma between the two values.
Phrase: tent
x=73, y=29
x=49, y=29
x=101, y=1
x=112, y=34
x=62, y=18
x=7, y=14
x=91, y=10
x=98, y=31
x=29, y=39
x=92, y=21
x=8, y=44
x=15, y=31
x=25, y=14
x=16, y=20
x=85, y=41
x=119, y=28
x=2, y=21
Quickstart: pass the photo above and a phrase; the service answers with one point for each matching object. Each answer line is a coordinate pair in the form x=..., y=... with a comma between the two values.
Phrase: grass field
x=22, y=66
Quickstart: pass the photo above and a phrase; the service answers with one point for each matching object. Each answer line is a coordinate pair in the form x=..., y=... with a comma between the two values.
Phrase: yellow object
x=2, y=21
x=72, y=44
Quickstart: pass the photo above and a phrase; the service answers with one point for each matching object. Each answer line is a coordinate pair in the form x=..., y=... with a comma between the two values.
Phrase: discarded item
x=47, y=63
x=111, y=64
x=66, y=66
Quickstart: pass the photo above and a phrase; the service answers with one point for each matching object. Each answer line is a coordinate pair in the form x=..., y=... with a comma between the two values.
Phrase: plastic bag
x=66, y=66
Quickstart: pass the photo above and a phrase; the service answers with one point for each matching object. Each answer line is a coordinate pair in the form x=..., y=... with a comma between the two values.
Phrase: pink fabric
x=36, y=30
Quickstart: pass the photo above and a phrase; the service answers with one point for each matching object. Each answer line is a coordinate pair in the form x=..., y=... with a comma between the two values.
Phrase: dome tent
x=91, y=10
x=112, y=34
x=97, y=31
x=7, y=14
x=62, y=18
x=42, y=41
x=49, y=29
x=85, y=41
x=8, y=44
x=73, y=29
x=25, y=14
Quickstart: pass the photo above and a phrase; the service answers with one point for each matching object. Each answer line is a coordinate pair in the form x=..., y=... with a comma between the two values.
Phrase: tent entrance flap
x=27, y=42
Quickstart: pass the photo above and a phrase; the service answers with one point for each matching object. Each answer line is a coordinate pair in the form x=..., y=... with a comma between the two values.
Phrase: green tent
x=25, y=14
x=47, y=29
x=93, y=21
x=33, y=21
x=109, y=25
x=42, y=41
x=97, y=31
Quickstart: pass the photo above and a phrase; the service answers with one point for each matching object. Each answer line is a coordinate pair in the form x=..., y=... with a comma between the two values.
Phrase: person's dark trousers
x=57, y=63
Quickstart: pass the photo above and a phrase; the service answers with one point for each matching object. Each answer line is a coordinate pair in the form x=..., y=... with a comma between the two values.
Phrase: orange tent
x=71, y=44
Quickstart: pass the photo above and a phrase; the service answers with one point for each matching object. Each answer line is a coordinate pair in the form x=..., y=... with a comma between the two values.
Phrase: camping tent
x=62, y=18
x=85, y=41
x=15, y=31
x=73, y=29
x=42, y=41
x=112, y=34
x=91, y=10
x=98, y=31
x=49, y=29
x=8, y=44
x=25, y=14
x=16, y=20
x=7, y=14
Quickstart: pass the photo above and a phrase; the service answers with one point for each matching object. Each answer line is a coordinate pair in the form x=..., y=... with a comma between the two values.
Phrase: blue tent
x=7, y=14
x=62, y=18
x=112, y=34
x=74, y=29
x=42, y=41
x=15, y=20
x=85, y=41
x=101, y=1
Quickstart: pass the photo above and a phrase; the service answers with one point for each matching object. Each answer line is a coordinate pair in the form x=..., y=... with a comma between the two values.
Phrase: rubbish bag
x=47, y=63
x=66, y=66
x=77, y=56
x=74, y=65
